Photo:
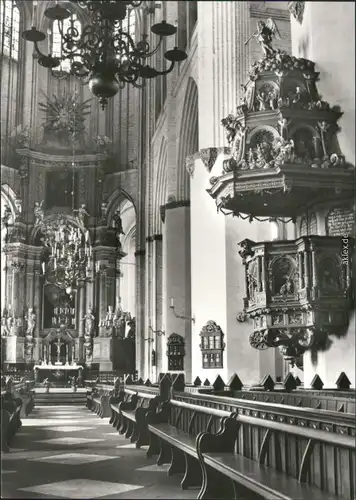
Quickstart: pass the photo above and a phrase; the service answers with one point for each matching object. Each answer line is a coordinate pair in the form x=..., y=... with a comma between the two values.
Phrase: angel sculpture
x=7, y=216
x=264, y=35
x=39, y=212
x=81, y=214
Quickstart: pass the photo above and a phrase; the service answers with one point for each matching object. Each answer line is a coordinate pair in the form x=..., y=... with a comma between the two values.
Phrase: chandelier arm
x=155, y=50
x=166, y=71
x=38, y=50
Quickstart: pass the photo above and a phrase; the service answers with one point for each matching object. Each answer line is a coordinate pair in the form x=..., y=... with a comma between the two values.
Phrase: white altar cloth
x=58, y=367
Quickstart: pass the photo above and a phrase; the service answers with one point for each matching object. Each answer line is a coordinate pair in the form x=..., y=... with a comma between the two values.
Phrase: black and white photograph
x=178, y=258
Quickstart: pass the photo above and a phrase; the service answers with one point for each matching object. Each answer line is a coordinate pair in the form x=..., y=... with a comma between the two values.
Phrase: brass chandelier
x=103, y=52
x=67, y=257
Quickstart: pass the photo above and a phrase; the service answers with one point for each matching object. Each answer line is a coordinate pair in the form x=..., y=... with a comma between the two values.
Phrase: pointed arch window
x=127, y=25
x=71, y=23
x=9, y=28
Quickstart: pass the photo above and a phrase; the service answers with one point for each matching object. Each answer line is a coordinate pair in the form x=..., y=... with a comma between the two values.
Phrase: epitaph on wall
x=340, y=221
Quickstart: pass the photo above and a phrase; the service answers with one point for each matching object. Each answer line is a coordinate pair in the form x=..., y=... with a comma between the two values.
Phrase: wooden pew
x=128, y=415
x=275, y=461
x=172, y=435
x=97, y=400
x=10, y=419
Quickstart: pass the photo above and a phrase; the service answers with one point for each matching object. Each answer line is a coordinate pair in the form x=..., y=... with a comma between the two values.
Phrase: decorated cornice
x=23, y=251
x=171, y=205
x=208, y=156
x=296, y=9
x=63, y=161
x=263, y=11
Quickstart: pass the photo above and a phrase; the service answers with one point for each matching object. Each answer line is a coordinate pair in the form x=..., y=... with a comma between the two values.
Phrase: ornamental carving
x=297, y=292
x=212, y=345
x=297, y=10
x=64, y=121
x=175, y=352
x=282, y=127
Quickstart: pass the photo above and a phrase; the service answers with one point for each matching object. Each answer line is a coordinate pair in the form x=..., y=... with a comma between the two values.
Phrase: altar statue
x=6, y=219
x=31, y=322
x=38, y=212
x=89, y=319
x=109, y=320
x=117, y=223
x=82, y=214
x=9, y=322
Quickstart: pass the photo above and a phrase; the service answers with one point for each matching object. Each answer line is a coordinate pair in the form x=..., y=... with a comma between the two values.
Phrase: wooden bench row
x=10, y=419
x=235, y=454
x=97, y=400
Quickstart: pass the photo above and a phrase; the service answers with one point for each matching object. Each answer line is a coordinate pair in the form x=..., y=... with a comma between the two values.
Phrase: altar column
x=18, y=273
x=81, y=311
x=37, y=299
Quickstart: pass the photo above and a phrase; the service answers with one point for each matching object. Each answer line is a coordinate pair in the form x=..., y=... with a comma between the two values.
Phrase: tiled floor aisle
x=68, y=452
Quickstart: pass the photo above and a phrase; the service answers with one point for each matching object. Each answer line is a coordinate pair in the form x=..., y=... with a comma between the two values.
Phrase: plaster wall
x=326, y=36
x=208, y=268
x=250, y=364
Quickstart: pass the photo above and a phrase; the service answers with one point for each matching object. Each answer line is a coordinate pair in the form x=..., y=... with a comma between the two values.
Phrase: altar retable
x=57, y=373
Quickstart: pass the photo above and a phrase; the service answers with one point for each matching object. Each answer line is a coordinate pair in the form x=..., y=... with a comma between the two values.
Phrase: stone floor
x=68, y=452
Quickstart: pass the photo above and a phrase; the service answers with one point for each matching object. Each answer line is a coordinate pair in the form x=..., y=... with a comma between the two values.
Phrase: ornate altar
x=57, y=374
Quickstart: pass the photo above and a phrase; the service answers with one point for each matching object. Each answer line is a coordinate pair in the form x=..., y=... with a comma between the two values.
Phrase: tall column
x=177, y=279
x=37, y=299
x=157, y=288
x=140, y=322
x=226, y=28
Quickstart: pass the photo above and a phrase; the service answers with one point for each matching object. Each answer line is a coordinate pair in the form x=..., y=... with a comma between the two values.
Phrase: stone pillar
x=218, y=281
x=157, y=307
x=177, y=279
x=140, y=322
x=226, y=28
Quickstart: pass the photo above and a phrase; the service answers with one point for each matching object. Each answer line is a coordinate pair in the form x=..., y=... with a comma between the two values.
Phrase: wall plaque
x=340, y=221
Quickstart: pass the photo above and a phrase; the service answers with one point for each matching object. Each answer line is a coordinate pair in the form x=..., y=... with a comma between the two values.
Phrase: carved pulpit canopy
x=283, y=142
x=297, y=292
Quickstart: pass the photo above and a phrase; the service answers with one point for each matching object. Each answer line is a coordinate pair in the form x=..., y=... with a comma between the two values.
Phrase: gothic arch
x=188, y=137
x=160, y=188
x=117, y=198
x=9, y=195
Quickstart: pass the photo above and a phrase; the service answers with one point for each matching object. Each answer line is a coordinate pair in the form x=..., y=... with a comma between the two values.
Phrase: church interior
x=178, y=249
